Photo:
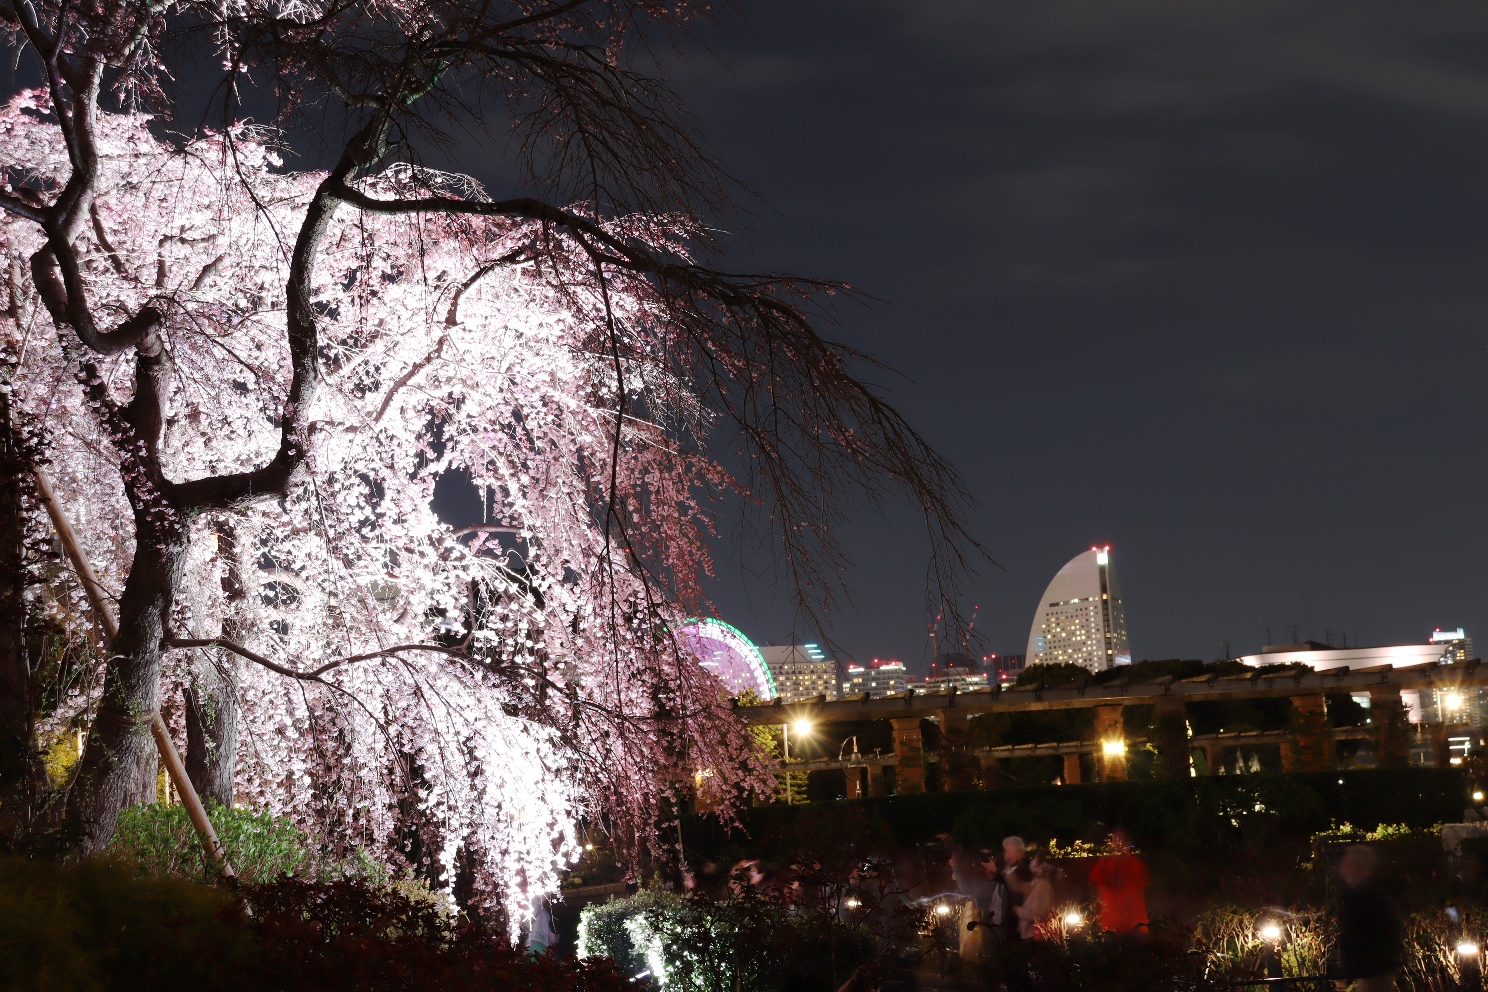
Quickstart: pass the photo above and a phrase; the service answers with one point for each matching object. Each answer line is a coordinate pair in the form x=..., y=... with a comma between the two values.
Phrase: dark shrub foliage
x=99, y=926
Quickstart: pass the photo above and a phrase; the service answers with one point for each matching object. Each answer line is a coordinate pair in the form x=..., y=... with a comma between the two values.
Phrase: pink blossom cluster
x=513, y=679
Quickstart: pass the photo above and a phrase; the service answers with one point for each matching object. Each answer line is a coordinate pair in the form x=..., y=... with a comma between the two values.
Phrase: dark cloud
x=1201, y=280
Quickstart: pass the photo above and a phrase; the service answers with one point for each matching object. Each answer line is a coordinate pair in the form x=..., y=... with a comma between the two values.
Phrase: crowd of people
x=1011, y=899
x=1013, y=896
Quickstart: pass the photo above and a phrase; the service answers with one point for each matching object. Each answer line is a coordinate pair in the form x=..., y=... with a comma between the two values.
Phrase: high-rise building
x=962, y=680
x=878, y=678
x=800, y=671
x=1455, y=645
x=1003, y=667
x=1081, y=619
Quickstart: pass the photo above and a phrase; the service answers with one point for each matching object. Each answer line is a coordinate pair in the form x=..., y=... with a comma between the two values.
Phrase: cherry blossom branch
x=302, y=332
x=409, y=376
x=315, y=675
x=485, y=529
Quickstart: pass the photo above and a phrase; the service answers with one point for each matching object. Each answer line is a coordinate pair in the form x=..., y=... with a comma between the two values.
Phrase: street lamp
x=1113, y=748
x=1469, y=964
x=854, y=741
x=1271, y=933
x=803, y=729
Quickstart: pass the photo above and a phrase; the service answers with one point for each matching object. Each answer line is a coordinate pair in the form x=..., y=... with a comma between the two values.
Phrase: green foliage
x=1052, y=675
x=986, y=824
x=1103, y=962
x=603, y=932
x=60, y=757
x=1428, y=961
x=98, y=926
x=742, y=941
x=1197, y=815
x=829, y=905
x=790, y=787
x=160, y=840
x=1385, y=831
x=1229, y=940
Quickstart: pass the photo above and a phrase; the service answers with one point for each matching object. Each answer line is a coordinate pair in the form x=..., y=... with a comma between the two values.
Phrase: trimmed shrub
x=744, y=941
x=603, y=931
x=100, y=926
x=1198, y=814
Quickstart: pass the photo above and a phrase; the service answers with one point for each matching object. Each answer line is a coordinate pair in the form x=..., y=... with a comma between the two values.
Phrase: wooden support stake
x=174, y=767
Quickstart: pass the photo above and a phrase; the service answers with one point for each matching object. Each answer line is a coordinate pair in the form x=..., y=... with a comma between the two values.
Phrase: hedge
x=100, y=926
x=1195, y=814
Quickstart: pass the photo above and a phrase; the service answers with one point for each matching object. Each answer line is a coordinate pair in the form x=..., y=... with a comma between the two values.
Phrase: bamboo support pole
x=174, y=766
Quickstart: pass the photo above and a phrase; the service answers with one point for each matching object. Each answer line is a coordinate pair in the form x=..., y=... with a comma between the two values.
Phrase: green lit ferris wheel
x=724, y=651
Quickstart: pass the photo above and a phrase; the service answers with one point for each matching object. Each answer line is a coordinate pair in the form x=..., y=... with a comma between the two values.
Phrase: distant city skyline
x=918, y=665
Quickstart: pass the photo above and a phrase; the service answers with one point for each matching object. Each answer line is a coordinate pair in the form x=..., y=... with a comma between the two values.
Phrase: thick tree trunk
x=120, y=765
x=212, y=732
x=212, y=708
x=20, y=763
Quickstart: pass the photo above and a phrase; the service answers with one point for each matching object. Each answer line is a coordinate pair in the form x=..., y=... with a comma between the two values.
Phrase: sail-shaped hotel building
x=1080, y=620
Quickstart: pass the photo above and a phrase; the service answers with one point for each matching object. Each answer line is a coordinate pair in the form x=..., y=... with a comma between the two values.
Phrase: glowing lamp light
x=1467, y=949
x=1271, y=932
x=853, y=904
x=1113, y=748
x=942, y=909
x=802, y=727
x=1477, y=797
x=1073, y=919
x=1454, y=761
x=1454, y=700
x=588, y=847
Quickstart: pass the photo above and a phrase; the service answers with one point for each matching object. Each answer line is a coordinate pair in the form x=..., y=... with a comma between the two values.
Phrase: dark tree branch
x=315, y=674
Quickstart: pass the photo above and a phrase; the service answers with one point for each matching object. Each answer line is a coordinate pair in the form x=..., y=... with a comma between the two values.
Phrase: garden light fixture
x=1271, y=931
x=1477, y=796
x=1467, y=949
x=1073, y=918
x=941, y=909
x=1114, y=748
x=802, y=727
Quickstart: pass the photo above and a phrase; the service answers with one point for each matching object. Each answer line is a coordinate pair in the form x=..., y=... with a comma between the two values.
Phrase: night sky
x=1206, y=282
x=1203, y=281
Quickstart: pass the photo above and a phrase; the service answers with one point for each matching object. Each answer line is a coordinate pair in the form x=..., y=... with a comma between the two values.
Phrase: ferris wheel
x=725, y=652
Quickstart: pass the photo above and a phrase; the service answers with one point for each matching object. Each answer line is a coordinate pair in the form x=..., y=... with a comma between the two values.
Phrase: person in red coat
x=1120, y=880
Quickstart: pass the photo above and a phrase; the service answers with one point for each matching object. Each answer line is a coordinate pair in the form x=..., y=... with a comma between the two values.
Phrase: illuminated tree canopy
x=245, y=380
